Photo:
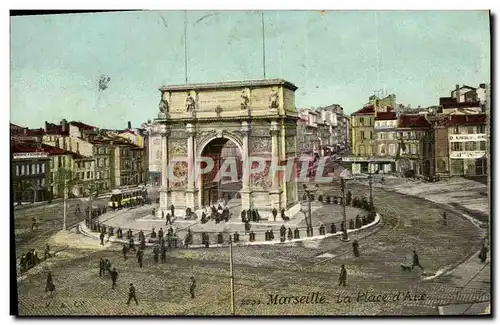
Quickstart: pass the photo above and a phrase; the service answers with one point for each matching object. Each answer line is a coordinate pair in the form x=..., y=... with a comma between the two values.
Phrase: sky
x=337, y=57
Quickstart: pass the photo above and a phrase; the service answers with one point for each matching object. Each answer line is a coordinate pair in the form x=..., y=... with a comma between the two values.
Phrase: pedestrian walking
x=275, y=213
x=139, y=256
x=101, y=267
x=355, y=248
x=156, y=252
x=483, y=255
x=192, y=287
x=131, y=294
x=114, y=277
x=46, y=253
x=101, y=236
x=49, y=284
x=343, y=276
x=124, y=251
x=416, y=261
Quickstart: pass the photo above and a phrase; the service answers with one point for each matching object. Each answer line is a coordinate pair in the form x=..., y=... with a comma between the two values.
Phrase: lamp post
x=309, y=191
x=231, y=275
x=65, y=198
x=343, y=180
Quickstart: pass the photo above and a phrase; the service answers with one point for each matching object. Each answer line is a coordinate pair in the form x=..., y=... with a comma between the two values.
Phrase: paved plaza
x=451, y=276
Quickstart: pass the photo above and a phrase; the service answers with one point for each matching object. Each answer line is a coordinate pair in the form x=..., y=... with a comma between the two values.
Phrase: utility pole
x=370, y=182
x=231, y=275
x=344, y=214
x=65, y=197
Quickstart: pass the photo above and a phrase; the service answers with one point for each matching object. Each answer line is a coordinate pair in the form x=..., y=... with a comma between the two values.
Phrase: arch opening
x=224, y=180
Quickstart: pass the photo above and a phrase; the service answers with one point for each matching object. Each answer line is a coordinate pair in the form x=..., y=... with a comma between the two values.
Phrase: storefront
x=468, y=163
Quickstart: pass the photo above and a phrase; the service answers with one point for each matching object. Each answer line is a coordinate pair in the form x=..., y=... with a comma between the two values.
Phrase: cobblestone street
x=290, y=269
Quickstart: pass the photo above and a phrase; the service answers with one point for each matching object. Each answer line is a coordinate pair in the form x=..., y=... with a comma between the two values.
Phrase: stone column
x=165, y=195
x=275, y=192
x=245, y=190
x=191, y=191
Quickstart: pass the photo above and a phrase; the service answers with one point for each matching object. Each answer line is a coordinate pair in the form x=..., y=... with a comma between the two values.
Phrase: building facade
x=362, y=139
x=412, y=132
x=386, y=142
x=30, y=172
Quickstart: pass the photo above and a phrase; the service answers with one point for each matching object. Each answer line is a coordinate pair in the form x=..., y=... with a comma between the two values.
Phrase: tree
x=66, y=179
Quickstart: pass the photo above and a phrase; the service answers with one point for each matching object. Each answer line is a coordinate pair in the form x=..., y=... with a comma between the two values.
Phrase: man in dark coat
x=483, y=255
x=355, y=248
x=172, y=210
x=139, y=256
x=275, y=213
x=131, y=294
x=169, y=219
x=125, y=251
x=114, y=276
x=243, y=216
x=101, y=237
x=160, y=233
x=416, y=261
x=163, y=252
x=47, y=251
x=49, y=285
x=290, y=234
x=156, y=251
x=343, y=276
x=102, y=267
x=192, y=287
x=131, y=244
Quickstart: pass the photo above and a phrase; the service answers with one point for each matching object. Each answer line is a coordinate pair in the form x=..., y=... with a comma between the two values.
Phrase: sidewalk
x=259, y=237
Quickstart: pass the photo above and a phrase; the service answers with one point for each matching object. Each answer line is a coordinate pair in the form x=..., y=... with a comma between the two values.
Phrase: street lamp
x=309, y=191
x=345, y=237
x=231, y=275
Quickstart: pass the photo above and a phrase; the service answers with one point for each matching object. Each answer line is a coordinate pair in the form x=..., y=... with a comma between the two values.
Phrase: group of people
x=31, y=259
x=252, y=215
x=219, y=214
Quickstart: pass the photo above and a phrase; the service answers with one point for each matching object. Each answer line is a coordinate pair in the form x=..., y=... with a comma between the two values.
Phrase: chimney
x=46, y=125
x=64, y=125
x=457, y=93
x=129, y=125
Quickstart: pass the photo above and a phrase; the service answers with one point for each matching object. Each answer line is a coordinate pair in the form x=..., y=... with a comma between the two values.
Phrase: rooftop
x=230, y=84
x=385, y=116
x=413, y=121
x=366, y=110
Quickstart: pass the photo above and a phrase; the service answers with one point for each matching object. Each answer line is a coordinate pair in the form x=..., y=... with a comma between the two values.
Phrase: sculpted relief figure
x=245, y=96
x=274, y=99
x=163, y=106
x=190, y=103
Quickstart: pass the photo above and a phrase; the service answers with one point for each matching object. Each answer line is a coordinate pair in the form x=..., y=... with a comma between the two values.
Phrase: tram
x=124, y=197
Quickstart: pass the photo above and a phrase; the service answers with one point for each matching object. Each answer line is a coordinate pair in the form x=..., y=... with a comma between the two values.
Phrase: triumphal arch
x=227, y=120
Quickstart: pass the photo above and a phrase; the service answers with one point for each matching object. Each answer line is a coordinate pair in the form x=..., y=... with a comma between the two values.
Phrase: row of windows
x=102, y=162
x=468, y=146
x=366, y=122
x=83, y=164
x=363, y=136
x=102, y=151
x=30, y=169
x=102, y=175
x=468, y=129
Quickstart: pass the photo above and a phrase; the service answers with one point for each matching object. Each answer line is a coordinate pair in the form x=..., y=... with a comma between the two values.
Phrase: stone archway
x=227, y=157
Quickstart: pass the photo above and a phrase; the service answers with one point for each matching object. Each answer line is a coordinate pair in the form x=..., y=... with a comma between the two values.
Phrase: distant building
x=386, y=124
x=412, y=132
x=30, y=173
x=362, y=139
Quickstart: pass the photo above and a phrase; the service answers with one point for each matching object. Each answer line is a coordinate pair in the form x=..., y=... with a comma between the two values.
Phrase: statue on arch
x=245, y=96
x=190, y=103
x=274, y=99
x=163, y=106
